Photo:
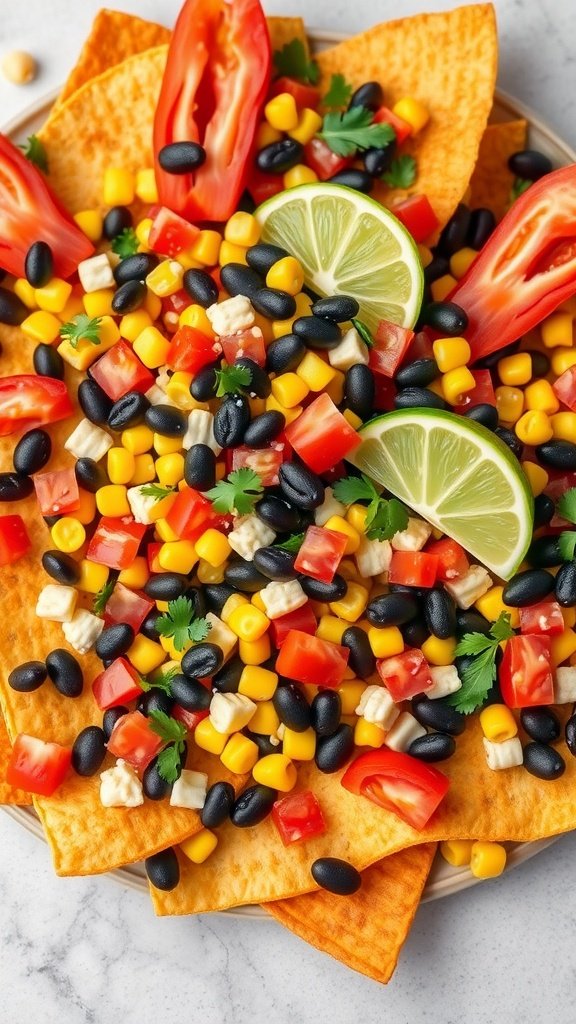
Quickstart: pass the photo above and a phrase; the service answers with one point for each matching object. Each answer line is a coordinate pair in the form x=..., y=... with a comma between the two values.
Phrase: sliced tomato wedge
x=525, y=674
x=36, y=766
x=27, y=400
x=298, y=816
x=391, y=344
x=399, y=783
x=14, y=539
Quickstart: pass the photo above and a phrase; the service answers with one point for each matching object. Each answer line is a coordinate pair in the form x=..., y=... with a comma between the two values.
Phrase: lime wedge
x=348, y=244
x=457, y=475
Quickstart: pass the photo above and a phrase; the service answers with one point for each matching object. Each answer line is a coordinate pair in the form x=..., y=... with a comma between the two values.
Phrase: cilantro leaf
x=293, y=544
x=180, y=623
x=239, y=493
x=103, y=596
x=338, y=94
x=566, y=507
x=173, y=733
x=385, y=519
x=232, y=379
x=126, y=243
x=567, y=545
x=363, y=332
x=81, y=328
x=479, y=675
x=402, y=172
x=169, y=762
x=292, y=61
x=169, y=729
x=156, y=491
x=501, y=629
x=354, y=130
x=519, y=186
x=35, y=152
x=161, y=682
x=355, y=488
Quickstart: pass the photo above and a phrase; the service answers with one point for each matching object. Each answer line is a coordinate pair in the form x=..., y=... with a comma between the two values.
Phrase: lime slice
x=348, y=245
x=457, y=475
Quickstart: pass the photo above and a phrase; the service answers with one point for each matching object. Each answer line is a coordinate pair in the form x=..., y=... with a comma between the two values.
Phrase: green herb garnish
x=232, y=379
x=81, y=328
x=566, y=508
x=363, y=331
x=520, y=185
x=173, y=733
x=385, y=518
x=35, y=152
x=354, y=130
x=293, y=544
x=238, y=494
x=180, y=623
x=161, y=683
x=338, y=94
x=292, y=60
x=402, y=172
x=126, y=243
x=479, y=675
x=156, y=491
x=103, y=596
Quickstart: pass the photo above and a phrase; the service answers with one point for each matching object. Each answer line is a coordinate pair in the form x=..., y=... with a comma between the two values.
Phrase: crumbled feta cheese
x=508, y=754
x=249, y=534
x=445, y=679
x=281, y=598
x=162, y=378
x=120, y=786
x=96, y=273
x=404, y=731
x=329, y=507
x=89, y=441
x=56, y=603
x=376, y=706
x=349, y=351
x=83, y=630
x=470, y=586
x=221, y=634
x=201, y=431
x=414, y=537
x=373, y=557
x=231, y=316
x=565, y=685
x=141, y=505
x=189, y=790
x=156, y=396
x=230, y=712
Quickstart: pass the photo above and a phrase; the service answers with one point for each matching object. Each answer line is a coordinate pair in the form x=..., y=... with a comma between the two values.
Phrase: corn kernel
x=230, y=253
x=240, y=754
x=73, y=307
x=353, y=604
x=537, y=477
x=487, y=860
x=207, y=738
x=178, y=556
x=137, y=440
x=234, y=601
x=350, y=694
x=450, y=353
x=118, y=187
x=562, y=359
x=213, y=546
x=413, y=112
x=206, y=248
x=300, y=174
x=136, y=575
x=351, y=418
x=167, y=445
x=276, y=771
x=335, y=388
x=298, y=746
x=564, y=426
x=90, y=223
x=287, y=275
x=53, y=296
x=281, y=112
x=68, y=535
x=282, y=327
x=132, y=324
x=510, y=403
x=242, y=229
x=289, y=415
x=368, y=734
x=308, y=123
x=341, y=525
x=248, y=622
x=385, y=642
x=439, y=652
x=178, y=391
x=562, y=647
x=146, y=188
x=569, y=616
x=456, y=383
x=515, y=370
x=142, y=231
x=195, y=316
x=442, y=287
x=266, y=135
x=257, y=683
x=315, y=372
x=120, y=466
x=498, y=723
x=111, y=500
x=144, y=471
x=289, y=389
x=460, y=262
x=556, y=330
x=356, y=516
x=97, y=304
x=255, y=652
x=265, y=719
x=534, y=427
x=170, y=469
x=199, y=847
x=145, y=654
x=165, y=279
x=457, y=852
x=86, y=509
x=540, y=396
x=41, y=326
x=331, y=628
x=93, y=576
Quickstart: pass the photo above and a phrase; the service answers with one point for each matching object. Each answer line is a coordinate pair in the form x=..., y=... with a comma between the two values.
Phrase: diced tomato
x=14, y=539
x=304, y=95
x=177, y=302
x=413, y=568
x=152, y=552
x=399, y=783
x=302, y=619
x=555, y=488
x=401, y=127
x=188, y=718
x=405, y=675
x=308, y=659
x=384, y=393
x=170, y=234
x=214, y=87
x=125, y=605
x=30, y=211
x=417, y=216
x=544, y=617
x=452, y=559
x=481, y=394
x=264, y=461
x=36, y=766
x=133, y=739
x=248, y=344
x=189, y=514
x=298, y=816
x=119, y=371
x=263, y=186
x=57, y=492
x=117, y=684
x=525, y=673
x=390, y=346
x=321, y=436
x=323, y=161
x=321, y=553
x=115, y=542
x=420, y=347
x=190, y=350
x=27, y=400
x=564, y=388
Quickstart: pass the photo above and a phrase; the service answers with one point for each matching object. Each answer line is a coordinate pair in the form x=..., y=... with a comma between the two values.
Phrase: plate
x=443, y=880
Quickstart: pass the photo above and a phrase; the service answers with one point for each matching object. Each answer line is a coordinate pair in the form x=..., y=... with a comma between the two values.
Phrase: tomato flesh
x=302, y=619
x=248, y=344
x=115, y=542
x=117, y=684
x=189, y=514
x=265, y=462
x=481, y=394
x=401, y=784
x=525, y=673
x=171, y=234
x=120, y=371
x=413, y=568
x=190, y=350
x=323, y=161
x=402, y=129
x=304, y=95
x=452, y=559
x=125, y=605
x=564, y=388
x=308, y=659
x=321, y=553
x=57, y=492
x=321, y=435
x=133, y=739
x=27, y=400
x=391, y=344
x=36, y=766
x=188, y=718
x=405, y=675
x=298, y=817
x=14, y=539
x=417, y=216
x=545, y=617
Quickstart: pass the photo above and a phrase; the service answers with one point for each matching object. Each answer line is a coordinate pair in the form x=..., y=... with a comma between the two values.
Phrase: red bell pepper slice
x=399, y=783
x=36, y=766
x=308, y=659
x=14, y=539
x=27, y=400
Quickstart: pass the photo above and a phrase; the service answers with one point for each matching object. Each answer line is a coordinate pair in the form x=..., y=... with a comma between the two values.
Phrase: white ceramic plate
x=443, y=879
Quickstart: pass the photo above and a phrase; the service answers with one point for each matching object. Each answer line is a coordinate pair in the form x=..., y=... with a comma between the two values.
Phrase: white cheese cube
x=56, y=603
x=445, y=679
x=376, y=706
x=141, y=505
x=281, y=598
x=189, y=790
x=231, y=316
x=470, y=586
x=156, y=396
x=89, y=441
x=83, y=630
x=403, y=732
x=201, y=431
x=413, y=538
x=349, y=351
x=96, y=273
x=565, y=685
x=373, y=557
x=249, y=534
x=329, y=507
x=120, y=786
x=221, y=634
x=508, y=754
x=230, y=712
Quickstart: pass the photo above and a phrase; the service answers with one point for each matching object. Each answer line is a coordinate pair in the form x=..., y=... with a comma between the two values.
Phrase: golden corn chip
x=368, y=929
x=284, y=30
x=491, y=182
x=9, y=794
x=447, y=61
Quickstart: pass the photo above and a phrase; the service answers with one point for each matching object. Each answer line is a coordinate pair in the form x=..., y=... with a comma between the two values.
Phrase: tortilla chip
x=491, y=181
x=8, y=794
x=284, y=30
x=448, y=62
x=365, y=931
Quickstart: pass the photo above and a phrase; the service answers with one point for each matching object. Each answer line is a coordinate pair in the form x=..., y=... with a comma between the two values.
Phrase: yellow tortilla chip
x=447, y=61
x=491, y=181
x=367, y=930
x=284, y=30
x=8, y=794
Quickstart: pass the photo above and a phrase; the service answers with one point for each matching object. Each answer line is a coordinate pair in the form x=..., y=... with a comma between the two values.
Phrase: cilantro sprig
x=346, y=133
x=173, y=734
x=81, y=328
x=402, y=172
x=385, y=517
x=292, y=544
x=181, y=624
x=566, y=508
x=35, y=152
x=232, y=379
x=161, y=682
x=339, y=93
x=519, y=186
x=293, y=61
x=125, y=244
x=103, y=596
x=156, y=491
x=238, y=494
x=479, y=675
x=363, y=331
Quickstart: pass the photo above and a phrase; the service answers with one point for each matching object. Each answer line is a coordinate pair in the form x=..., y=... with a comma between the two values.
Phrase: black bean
x=279, y=157
x=148, y=627
x=202, y=660
x=333, y=751
x=544, y=552
x=154, y=700
x=15, y=486
x=510, y=440
x=353, y=177
x=205, y=383
x=48, y=362
x=166, y=420
x=317, y=332
x=110, y=717
x=558, y=455
x=227, y=679
x=264, y=429
x=438, y=267
x=485, y=414
x=163, y=870
x=453, y=235
x=219, y=800
x=274, y=303
x=116, y=220
x=543, y=761
x=301, y=486
x=528, y=587
x=259, y=380
x=540, y=363
x=90, y=475
x=570, y=734
x=240, y=280
x=491, y=362
x=392, y=609
x=114, y=641
x=440, y=613
x=200, y=467
x=61, y=567
x=368, y=95
x=541, y=724
x=338, y=308
x=244, y=576
x=88, y=751
x=471, y=622
x=263, y=256
x=136, y=267
x=336, y=876
x=264, y=743
x=292, y=707
x=190, y=693
x=166, y=586
x=277, y=514
x=435, y=746
x=446, y=317
x=65, y=672
x=361, y=660
x=181, y=157
x=317, y=590
x=216, y=595
x=418, y=374
x=154, y=786
x=39, y=264
x=285, y=353
x=360, y=390
x=129, y=411
x=529, y=164
x=275, y=563
x=415, y=632
x=482, y=224
x=12, y=309
x=378, y=161
x=231, y=421
x=94, y=402
x=128, y=297
x=200, y=287
x=565, y=584
x=325, y=712
x=32, y=451
x=543, y=510
x=27, y=677
x=252, y=806
x=418, y=398
x=434, y=714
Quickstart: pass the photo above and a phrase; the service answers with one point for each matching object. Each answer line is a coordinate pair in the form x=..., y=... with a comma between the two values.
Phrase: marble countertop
x=85, y=951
